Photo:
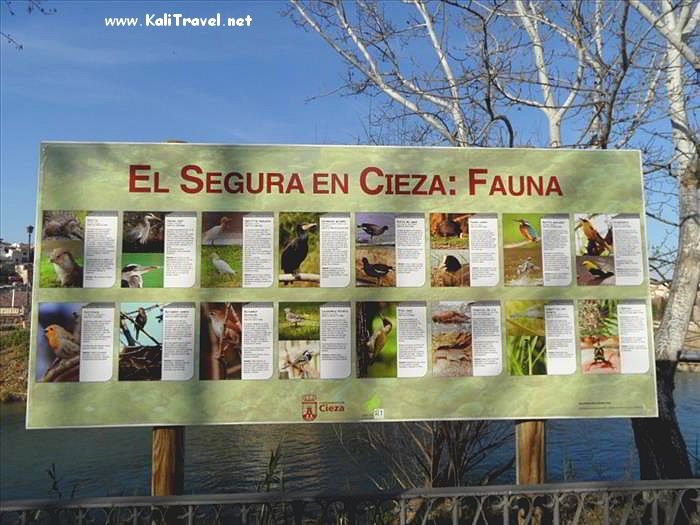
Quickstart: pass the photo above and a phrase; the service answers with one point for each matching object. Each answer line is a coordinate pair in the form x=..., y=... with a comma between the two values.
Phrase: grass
x=152, y=279
x=526, y=355
x=210, y=277
x=14, y=360
x=453, y=243
x=307, y=330
x=517, y=324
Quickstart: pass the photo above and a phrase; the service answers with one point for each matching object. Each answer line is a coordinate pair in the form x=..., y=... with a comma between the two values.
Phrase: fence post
x=530, y=452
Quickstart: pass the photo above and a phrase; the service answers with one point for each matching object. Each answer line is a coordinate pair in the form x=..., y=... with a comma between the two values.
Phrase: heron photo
x=525, y=338
x=595, y=261
x=143, y=246
x=377, y=343
x=220, y=336
x=375, y=250
x=451, y=339
x=141, y=341
x=522, y=249
x=222, y=250
x=299, y=249
x=58, y=342
x=599, y=336
x=299, y=321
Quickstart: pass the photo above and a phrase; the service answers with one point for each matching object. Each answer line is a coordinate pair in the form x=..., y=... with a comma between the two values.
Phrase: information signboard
x=192, y=284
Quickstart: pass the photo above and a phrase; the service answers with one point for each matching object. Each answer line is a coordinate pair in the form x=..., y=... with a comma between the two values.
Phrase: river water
x=98, y=462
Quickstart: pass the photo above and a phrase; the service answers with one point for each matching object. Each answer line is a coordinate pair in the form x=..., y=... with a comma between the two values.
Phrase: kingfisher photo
x=61, y=262
x=143, y=247
x=522, y=249
x=375, y=249
x=595, y=261
x=222, y=250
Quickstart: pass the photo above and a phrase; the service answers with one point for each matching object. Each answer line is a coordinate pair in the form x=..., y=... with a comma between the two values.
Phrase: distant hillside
x=14, y=358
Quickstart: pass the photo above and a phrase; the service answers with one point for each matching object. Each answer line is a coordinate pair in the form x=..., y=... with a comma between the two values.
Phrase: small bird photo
x=61, y=264
x=375, y=249
x=451, y=339
x=143, y=246
x=300, y=359
x=221, y=331
x=449, y=231
x=599, y=336
x=299, y=249
x=522, y=249
x=58, y=342
x=449, y=268
x=595, y=261
x=141, y=341
x=377, y=343
x=299, y=321
x=222, y=250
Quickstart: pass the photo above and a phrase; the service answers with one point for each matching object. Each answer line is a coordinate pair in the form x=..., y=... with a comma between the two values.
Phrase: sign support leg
x=530, y=452
x=168, y=461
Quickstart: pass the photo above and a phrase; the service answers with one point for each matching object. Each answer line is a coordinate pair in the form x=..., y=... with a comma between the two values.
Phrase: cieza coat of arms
x=309, y=407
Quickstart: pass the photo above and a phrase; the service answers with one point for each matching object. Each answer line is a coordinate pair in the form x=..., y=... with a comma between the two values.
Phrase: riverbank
x=14, y=360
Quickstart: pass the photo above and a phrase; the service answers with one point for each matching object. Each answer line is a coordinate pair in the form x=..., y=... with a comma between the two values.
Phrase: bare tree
x=10, y=8
x=603, y=74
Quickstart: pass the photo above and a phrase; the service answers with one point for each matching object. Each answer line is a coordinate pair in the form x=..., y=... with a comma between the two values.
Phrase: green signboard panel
x=188, y=284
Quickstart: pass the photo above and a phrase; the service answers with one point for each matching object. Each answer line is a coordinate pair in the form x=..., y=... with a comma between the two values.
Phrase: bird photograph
x=63, y=225
x=594, y=235
x=375, y=251
x=140, y=338
x=299, y=249
x=522, y=249
x=134, y=276
x=221, y=336
x=449, y=231
x=377, y=343
x=299, y=321
x=595, y=271
x=449, y=268
x=451, y=339
x=58, y=342
x=66, y=265
x=299, y=360
x=143, y=232
x=222, y=250
x=143, y=246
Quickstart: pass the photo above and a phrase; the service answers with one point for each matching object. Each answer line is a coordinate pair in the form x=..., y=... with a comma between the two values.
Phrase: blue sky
x=75, y=79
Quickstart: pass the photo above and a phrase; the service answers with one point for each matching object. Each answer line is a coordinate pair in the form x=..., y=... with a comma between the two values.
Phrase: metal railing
x=653, y=502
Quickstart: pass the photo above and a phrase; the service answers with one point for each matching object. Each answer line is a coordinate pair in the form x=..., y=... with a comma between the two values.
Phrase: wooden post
x=168, y=461
x=168, y=455
x=530, y=452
